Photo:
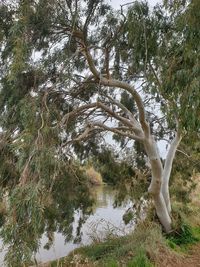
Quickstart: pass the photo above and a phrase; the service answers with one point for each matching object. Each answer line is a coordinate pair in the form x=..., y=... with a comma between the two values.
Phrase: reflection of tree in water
x=103, y=196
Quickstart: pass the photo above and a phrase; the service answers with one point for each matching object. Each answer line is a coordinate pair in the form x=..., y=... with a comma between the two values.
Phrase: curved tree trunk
x=155, y=188
x=136, y=130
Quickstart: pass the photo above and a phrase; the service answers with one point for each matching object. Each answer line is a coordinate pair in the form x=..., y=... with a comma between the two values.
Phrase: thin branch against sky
x=117, y=3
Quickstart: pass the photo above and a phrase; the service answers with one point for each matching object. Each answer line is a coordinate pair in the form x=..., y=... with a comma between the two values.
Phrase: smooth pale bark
x=156, y=183
x=162, y=212
x=167, y=170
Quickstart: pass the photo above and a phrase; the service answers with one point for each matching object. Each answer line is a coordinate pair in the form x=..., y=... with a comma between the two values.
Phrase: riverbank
x=145, y=247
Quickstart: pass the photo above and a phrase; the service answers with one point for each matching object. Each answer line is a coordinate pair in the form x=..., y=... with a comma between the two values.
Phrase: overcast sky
x=117, y=3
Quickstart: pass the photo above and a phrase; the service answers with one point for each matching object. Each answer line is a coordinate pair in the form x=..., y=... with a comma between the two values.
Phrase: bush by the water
x=93, y=176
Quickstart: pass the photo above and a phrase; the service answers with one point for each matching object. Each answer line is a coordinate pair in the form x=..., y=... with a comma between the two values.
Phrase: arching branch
x=120, y=84
x=117, y=131
x=78, y=111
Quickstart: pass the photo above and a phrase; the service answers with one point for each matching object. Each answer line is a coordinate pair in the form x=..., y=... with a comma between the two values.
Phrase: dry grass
x=196, y=193
x=94, y=177
x=2, y=208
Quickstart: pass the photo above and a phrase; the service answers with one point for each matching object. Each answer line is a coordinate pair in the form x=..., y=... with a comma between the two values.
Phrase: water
x=105, y=219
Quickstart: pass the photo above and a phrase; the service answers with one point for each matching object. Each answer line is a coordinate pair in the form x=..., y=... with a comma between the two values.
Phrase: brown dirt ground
x=175, y=260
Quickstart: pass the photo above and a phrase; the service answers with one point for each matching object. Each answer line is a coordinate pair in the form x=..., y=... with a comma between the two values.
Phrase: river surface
x=105, y=219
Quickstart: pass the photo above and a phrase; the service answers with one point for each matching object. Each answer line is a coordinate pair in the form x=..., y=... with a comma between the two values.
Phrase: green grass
x=185, y=235
x=132, y=248
x=182, y=240
x=140, y=260
x=110, y=262
x=139, y=249
x=58, y=263
x=98, y=251
x=185, y=232
x=129, y=249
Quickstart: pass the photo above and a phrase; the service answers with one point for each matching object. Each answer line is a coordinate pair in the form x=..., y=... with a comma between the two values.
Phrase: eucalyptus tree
x=71, y=71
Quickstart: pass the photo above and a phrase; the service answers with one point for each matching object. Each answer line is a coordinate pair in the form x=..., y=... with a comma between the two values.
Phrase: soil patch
x=172, y=260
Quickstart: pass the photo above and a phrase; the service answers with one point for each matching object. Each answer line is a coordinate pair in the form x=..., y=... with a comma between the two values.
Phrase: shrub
x=183, y=235
x=94, y=177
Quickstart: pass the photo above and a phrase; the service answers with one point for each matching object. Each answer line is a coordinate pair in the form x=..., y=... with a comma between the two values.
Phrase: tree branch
x=98, y=104
x=135, y=125
x=122, y=85
x=136, y=97
x=115, y=115
x=117, y=131
x=114, y=83
x=76, y=112
x=81, y=137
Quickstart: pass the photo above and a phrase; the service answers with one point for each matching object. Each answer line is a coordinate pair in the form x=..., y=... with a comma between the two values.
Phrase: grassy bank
x=147, y=246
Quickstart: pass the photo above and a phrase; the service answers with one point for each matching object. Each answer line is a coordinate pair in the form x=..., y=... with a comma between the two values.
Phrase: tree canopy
x=72, y=71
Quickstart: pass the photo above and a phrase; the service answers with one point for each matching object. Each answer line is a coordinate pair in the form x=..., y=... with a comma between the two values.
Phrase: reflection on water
x=104, y=196
x=105, y=218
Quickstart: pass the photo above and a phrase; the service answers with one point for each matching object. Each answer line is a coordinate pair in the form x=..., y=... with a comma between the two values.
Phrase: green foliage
x=22, y=236
x=142, y=37
x=128, y=102
x=30, y=213
x=128, y=216
x=111, y=168
x=184, y=235
x=186, y=166
x=181, y=68
x=129, y=182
